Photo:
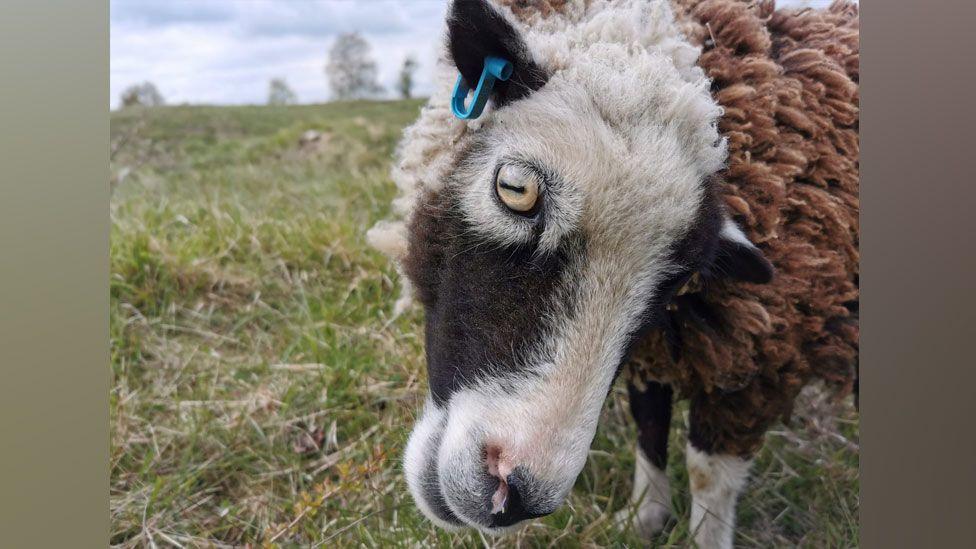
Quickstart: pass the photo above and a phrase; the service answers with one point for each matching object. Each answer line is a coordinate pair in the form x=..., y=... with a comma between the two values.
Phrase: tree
x=405, y=80
x=350, y=69
x=144, y=94
x=279, y=93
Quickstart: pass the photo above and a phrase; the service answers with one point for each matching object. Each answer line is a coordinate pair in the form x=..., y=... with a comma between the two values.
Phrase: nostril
x=500, y=498
x=511, y=491
x=498, y=469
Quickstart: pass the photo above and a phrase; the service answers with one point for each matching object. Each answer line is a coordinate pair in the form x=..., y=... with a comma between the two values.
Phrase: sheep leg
x=650, y=500
x=718, y=458
x=716, y=481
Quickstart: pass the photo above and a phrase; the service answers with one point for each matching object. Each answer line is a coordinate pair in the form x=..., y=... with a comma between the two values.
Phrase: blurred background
x=228, y=52
x=262, y=391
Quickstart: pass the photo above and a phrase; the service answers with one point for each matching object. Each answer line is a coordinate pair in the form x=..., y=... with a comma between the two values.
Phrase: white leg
x=650, y=500
x=716, y=481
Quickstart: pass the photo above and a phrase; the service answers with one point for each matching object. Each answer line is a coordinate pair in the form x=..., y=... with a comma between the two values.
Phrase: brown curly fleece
x=788, y=81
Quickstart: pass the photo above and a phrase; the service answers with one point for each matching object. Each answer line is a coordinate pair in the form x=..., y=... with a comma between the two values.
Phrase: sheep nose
x=507, y=503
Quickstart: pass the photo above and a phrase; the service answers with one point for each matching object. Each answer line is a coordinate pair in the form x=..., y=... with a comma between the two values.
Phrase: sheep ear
x=476, y=30
x=740, y=259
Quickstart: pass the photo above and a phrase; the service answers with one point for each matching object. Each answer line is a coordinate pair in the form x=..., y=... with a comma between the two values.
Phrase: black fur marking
x=701, y=433
x=475, y=31
x=651, y=409
x=486, y=305
x=740, y=262
x=432, y=489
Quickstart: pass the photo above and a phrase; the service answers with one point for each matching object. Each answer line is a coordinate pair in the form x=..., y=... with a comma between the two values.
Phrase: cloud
x=160, y=13
x=319, y=19
x=271, y=18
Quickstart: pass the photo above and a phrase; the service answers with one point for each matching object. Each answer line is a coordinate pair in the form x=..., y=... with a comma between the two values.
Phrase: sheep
x=663, y=189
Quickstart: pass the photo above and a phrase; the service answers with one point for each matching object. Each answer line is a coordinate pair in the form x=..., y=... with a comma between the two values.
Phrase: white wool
x=388, y=237
x=599, y=47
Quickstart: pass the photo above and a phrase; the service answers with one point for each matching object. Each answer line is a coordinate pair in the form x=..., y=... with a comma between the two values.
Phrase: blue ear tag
x=495, y=68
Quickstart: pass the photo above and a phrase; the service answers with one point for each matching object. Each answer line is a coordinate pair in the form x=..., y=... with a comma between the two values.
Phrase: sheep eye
x=517, y=188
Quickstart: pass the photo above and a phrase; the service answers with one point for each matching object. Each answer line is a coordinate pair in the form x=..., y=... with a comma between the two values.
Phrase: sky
x=227, y=51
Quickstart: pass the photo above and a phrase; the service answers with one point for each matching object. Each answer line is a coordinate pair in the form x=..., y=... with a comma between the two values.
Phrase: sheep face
x=576, y=209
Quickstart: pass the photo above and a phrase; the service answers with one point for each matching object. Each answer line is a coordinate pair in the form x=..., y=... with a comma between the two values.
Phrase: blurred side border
x=54, y=227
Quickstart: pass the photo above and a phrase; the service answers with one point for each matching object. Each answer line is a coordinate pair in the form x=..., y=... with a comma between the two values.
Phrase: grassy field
x=261, y=393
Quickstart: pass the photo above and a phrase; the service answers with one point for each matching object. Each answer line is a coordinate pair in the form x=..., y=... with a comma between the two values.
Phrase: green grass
x=261, y=392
